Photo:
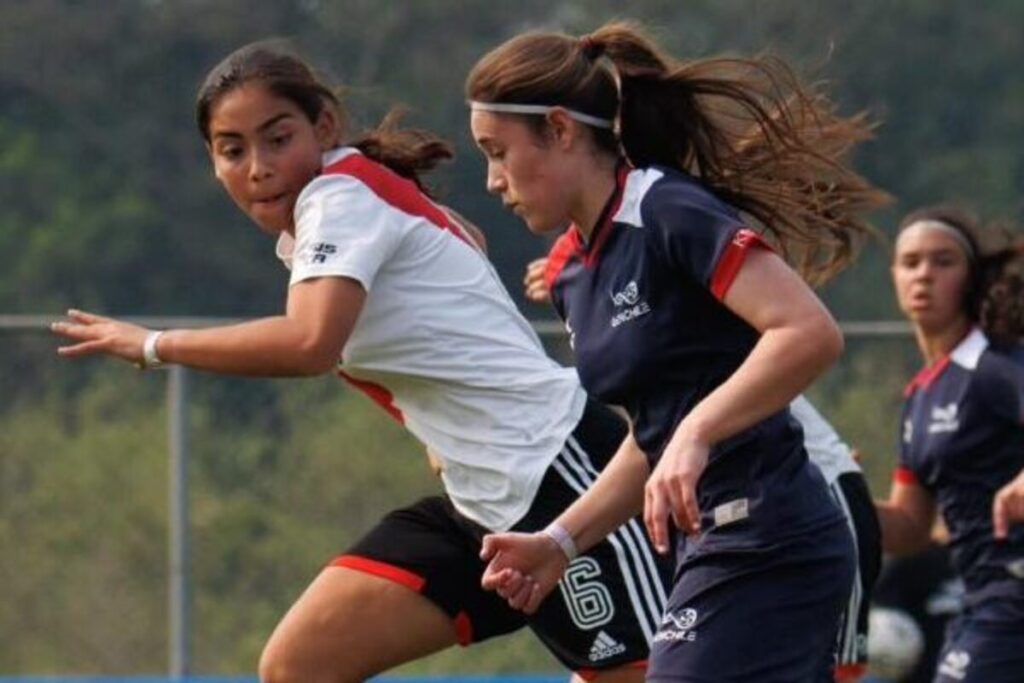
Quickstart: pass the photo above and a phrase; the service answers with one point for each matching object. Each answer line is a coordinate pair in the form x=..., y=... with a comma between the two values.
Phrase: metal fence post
x=179, y=595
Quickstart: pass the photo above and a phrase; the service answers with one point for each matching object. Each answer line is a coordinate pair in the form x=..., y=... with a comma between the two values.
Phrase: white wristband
x=558, y=533
x=150, y=358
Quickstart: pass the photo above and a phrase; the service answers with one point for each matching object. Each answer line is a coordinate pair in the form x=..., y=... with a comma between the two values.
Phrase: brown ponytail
x=408, y=152
x=747, y=128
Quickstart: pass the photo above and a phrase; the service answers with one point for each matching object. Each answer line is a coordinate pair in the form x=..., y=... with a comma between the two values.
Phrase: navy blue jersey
x=963, y=439
x=642, y=303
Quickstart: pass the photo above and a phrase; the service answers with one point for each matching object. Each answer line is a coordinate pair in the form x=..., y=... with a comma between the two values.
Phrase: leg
x=349, y=626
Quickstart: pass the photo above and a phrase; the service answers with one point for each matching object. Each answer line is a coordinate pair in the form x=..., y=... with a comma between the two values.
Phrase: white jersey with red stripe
x=826, y=450
x=439, y=343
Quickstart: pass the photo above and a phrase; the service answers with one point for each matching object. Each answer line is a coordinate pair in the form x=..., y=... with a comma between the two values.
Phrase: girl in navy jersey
x=669, y=175
x=388, y=289
x=963, y=432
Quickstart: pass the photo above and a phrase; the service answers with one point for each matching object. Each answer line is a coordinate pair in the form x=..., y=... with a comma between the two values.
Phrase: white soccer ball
x=895, y=643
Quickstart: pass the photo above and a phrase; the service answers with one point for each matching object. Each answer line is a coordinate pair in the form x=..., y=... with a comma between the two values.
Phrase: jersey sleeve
x=342, y=229
x=1001, y=381
x=701, y=238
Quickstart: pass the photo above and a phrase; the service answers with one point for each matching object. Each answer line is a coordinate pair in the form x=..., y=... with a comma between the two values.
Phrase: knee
x=282, y=664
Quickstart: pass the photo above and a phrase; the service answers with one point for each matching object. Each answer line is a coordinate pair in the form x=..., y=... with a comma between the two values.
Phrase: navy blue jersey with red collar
x=642, y=303
x=963, y=439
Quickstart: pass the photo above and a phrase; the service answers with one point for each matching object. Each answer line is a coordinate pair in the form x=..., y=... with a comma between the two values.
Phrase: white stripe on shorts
x=847, y=638
x=635, y=559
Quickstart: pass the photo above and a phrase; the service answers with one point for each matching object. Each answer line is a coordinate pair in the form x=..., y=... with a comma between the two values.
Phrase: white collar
x=968, y=351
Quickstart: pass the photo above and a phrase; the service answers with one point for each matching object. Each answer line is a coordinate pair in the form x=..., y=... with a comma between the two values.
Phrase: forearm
x=781, y=365
x=267, y=347
x=902, y=534
x=616, y=497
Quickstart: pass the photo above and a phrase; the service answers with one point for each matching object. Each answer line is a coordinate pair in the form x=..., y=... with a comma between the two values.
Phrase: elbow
x=316, y=358
x=829, y=343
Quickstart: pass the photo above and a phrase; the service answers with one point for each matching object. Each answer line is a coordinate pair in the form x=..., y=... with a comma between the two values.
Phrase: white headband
x=508, y=108
x=945, y=228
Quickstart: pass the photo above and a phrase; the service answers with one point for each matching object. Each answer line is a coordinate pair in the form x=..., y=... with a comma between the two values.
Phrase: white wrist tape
x=150, y=358
x=558, y=533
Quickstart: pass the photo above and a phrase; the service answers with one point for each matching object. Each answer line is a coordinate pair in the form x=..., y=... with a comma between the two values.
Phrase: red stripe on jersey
x=849, y=673
x=380, y=395
x=563, y=249
x=463, y=629
x=732, y=260
x=399, y=192
x=924, y=378
x=904, y=475
x=605, y=224
x=384, y=571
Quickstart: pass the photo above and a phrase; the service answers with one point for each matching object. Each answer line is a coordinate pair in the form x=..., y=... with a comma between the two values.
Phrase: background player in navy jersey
x=677, y=313
x=838, y=464
x=387, y=289
x=963, y=431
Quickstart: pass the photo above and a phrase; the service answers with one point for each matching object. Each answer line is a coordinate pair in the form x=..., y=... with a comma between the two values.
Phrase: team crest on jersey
x=678, y=627
x=944, y=419
x=629, y=304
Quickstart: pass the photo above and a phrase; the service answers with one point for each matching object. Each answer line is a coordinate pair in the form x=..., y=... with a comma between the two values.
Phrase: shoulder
x=657, y=196
x=562, y=251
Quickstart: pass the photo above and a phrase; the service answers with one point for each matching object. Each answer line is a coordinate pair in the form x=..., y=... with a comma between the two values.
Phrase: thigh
x=349, y=626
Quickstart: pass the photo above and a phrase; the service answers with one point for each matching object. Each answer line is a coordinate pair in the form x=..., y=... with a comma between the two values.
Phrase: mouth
x=270, y=201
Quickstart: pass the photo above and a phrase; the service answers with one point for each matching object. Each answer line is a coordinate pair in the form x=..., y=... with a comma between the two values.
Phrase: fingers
x=490, y=547
x=86, y=348
x=84, y=318
x=655, y=514
x=1000, y=513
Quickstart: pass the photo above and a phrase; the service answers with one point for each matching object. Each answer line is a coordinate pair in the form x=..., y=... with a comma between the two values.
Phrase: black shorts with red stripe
x=608, y=604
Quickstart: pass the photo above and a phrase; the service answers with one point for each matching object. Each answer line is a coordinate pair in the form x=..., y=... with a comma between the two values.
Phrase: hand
x=1008, y=506
x=95, y=334
x=672, y=490
x=535, y=286
x=523, y=568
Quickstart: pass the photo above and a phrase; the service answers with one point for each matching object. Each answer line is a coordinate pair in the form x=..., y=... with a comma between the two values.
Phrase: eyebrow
x=269, y=123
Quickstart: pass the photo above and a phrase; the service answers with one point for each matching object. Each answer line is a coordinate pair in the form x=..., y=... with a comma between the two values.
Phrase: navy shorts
x=757, y=616
x=609, y=603
x=980, y=652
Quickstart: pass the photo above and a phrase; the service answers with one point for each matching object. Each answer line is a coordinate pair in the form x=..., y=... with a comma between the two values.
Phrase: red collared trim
x=563, y=250
x=732, y=260
x=382, y=570
x=603, y=228
x=904, y=475
x=924, y=378
x=849, y=673
x=380, y=395
x=463, y=629
x=591, y=674
x=399, y=192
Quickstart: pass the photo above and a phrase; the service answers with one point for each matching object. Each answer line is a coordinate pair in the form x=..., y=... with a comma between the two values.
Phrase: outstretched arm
x=306, y=340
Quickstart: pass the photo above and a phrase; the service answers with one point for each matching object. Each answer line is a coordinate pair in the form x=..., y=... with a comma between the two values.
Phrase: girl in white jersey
x=389, y=289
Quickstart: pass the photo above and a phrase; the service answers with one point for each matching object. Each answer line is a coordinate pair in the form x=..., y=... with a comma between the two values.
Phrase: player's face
x=264, y=151
x=930, y=271
x=529, y=175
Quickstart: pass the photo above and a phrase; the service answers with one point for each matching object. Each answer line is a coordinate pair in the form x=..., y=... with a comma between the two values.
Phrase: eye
x=280, y=139
x=230, y=152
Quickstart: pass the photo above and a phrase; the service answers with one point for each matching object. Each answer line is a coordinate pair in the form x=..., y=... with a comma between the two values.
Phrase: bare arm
x=906, y=518
x=799, y=340
x=306, y=340
x=524, y=568
x=1008, y=506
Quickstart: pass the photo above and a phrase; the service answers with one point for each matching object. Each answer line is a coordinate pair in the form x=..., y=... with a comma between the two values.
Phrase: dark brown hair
x=994, y=296
x=747, y=128
x=408, y=152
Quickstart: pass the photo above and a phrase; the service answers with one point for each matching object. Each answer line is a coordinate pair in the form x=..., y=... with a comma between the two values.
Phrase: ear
x=563, y=128
x=327, y=129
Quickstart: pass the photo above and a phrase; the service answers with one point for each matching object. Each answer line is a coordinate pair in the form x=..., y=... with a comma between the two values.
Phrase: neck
x=598, y=184
x=935, y=344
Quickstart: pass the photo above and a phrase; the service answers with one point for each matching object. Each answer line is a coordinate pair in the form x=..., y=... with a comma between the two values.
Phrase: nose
x=495, y=181
x=259, y=166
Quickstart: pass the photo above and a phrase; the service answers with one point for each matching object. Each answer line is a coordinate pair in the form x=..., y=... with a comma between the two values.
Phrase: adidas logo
x=604, y=647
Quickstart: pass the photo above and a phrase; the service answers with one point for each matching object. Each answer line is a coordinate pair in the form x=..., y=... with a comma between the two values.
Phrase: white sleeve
x=342, y=229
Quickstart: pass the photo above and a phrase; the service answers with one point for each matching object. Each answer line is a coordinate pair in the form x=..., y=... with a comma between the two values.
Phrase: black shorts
x=851, y=492
x=609, y=602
